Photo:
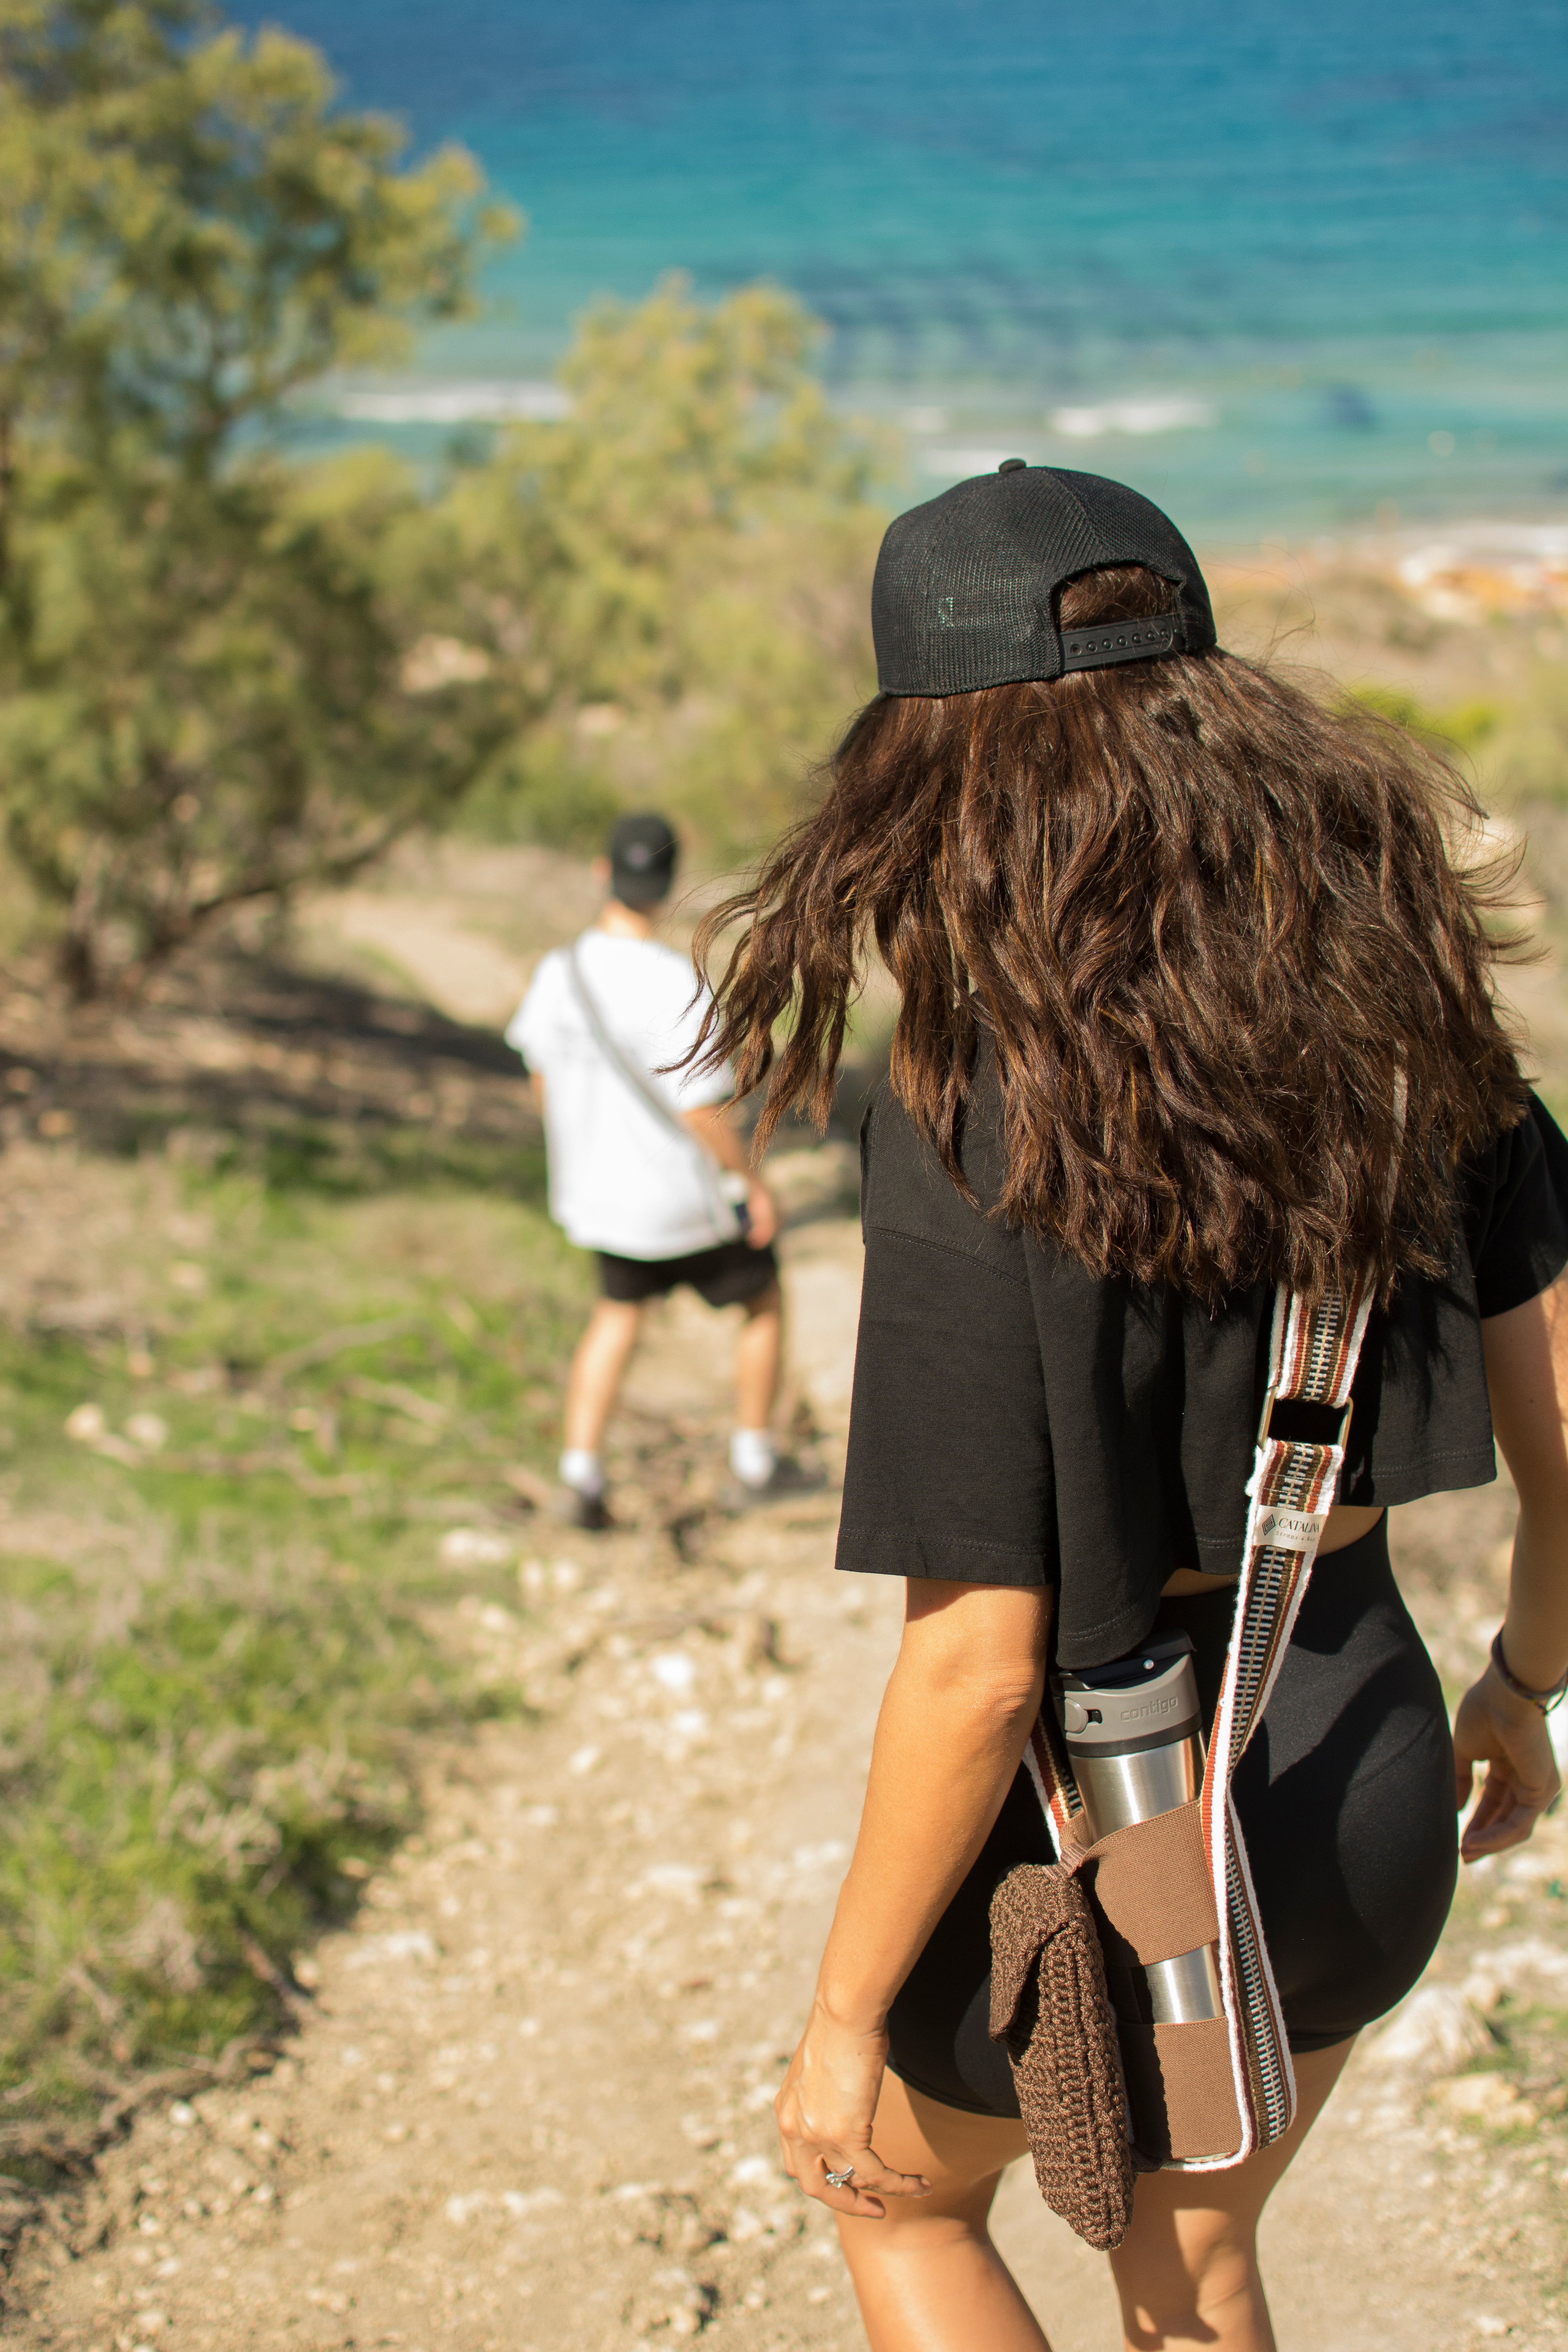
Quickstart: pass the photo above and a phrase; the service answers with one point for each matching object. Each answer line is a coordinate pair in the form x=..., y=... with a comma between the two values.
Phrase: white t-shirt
x=620, y=1179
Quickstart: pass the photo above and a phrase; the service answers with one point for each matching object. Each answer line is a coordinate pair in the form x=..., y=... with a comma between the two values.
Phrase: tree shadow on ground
x=315, y=1081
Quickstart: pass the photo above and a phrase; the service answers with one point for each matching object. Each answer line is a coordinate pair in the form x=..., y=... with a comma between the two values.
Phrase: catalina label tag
x=1290, y=1530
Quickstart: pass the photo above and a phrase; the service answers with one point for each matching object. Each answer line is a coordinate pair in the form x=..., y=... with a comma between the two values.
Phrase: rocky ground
x=528, y=2104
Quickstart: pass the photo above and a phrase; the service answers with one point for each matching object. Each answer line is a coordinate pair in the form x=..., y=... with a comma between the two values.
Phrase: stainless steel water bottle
x=1134, y=1734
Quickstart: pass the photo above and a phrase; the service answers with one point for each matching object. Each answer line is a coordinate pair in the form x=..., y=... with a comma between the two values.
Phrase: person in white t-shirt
x=645, y=1166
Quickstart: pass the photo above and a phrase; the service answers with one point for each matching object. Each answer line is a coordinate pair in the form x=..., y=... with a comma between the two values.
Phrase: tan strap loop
x=1150, y=1888
x=1179, y=2080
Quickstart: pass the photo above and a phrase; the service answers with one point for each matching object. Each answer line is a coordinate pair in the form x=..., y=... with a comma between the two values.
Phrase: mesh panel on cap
x=965, y=584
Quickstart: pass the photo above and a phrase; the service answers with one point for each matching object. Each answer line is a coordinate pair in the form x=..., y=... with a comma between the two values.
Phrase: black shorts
x=726, y=1276
x=1346, y=1796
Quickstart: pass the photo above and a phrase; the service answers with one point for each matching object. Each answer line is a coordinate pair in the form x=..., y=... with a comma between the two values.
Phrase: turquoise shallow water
x=1287, y=268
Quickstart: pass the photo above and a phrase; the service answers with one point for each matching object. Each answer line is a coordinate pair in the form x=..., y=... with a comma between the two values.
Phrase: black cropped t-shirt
x=1017, y=1420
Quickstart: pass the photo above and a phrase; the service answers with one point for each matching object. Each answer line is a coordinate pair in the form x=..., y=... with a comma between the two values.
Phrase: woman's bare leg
x=1187, y=2270
x=929, y=2280
x=928, y=2277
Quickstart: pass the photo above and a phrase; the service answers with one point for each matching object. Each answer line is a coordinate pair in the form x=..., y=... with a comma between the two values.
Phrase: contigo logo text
x=1152, y=1708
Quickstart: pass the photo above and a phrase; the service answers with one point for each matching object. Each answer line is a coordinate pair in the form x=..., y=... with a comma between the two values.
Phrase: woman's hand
x=1494, y=1728
x=825, y=2110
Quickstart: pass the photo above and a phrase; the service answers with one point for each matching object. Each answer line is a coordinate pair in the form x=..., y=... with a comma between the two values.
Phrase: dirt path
x=529, y=2109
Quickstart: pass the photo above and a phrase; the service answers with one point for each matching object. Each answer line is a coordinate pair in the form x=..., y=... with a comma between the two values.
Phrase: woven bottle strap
x=1295, y=1478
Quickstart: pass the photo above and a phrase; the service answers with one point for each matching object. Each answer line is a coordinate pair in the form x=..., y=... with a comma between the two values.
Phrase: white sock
x=583, y=1472
x=752, y=1455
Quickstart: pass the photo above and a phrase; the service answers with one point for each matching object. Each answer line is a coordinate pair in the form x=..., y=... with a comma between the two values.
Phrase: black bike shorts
x=1346, y=1798
x=726, y=1275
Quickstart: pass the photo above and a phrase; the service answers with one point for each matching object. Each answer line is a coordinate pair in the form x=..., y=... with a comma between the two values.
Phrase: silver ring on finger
x=840, y=2179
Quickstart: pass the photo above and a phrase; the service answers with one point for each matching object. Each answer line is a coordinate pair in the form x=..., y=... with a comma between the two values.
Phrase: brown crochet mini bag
x=1049, y=2004
x=1104, y=2097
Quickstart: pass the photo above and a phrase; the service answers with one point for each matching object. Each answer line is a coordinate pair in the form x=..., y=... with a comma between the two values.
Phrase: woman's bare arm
x=964, y=1691
x=1527, y=1376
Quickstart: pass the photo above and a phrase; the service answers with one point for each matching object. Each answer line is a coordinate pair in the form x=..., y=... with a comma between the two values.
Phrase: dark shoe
x=787, y=1477
x=579, y=1510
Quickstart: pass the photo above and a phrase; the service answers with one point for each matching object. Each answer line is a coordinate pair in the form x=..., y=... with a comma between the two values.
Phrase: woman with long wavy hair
x=1194, y=1001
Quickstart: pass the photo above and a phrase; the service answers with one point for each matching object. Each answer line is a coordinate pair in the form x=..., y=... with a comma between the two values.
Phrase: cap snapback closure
x=1121, y=641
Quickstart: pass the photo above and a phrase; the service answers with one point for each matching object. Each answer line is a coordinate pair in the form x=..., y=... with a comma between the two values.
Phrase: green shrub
x=1465, y=727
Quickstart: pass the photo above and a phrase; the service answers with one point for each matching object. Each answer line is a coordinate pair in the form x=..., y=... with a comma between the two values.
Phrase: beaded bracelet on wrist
x=1544, y=1699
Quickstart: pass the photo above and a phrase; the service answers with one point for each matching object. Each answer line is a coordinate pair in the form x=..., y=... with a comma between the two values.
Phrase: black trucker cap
x=642, y=852
x=964, y=594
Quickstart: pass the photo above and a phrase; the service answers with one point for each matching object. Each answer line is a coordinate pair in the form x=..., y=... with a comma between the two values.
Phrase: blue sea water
x=1288, y=265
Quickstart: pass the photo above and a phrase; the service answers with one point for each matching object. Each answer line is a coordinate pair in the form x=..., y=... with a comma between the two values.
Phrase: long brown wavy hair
x=1210, y=923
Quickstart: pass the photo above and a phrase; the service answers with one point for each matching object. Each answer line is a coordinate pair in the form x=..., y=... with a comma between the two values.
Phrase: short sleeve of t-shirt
x=537, y=1019
x=1516, y=1213
x=949, y=1471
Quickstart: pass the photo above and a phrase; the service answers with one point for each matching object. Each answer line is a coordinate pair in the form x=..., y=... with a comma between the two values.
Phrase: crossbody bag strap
x=642, y=1085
